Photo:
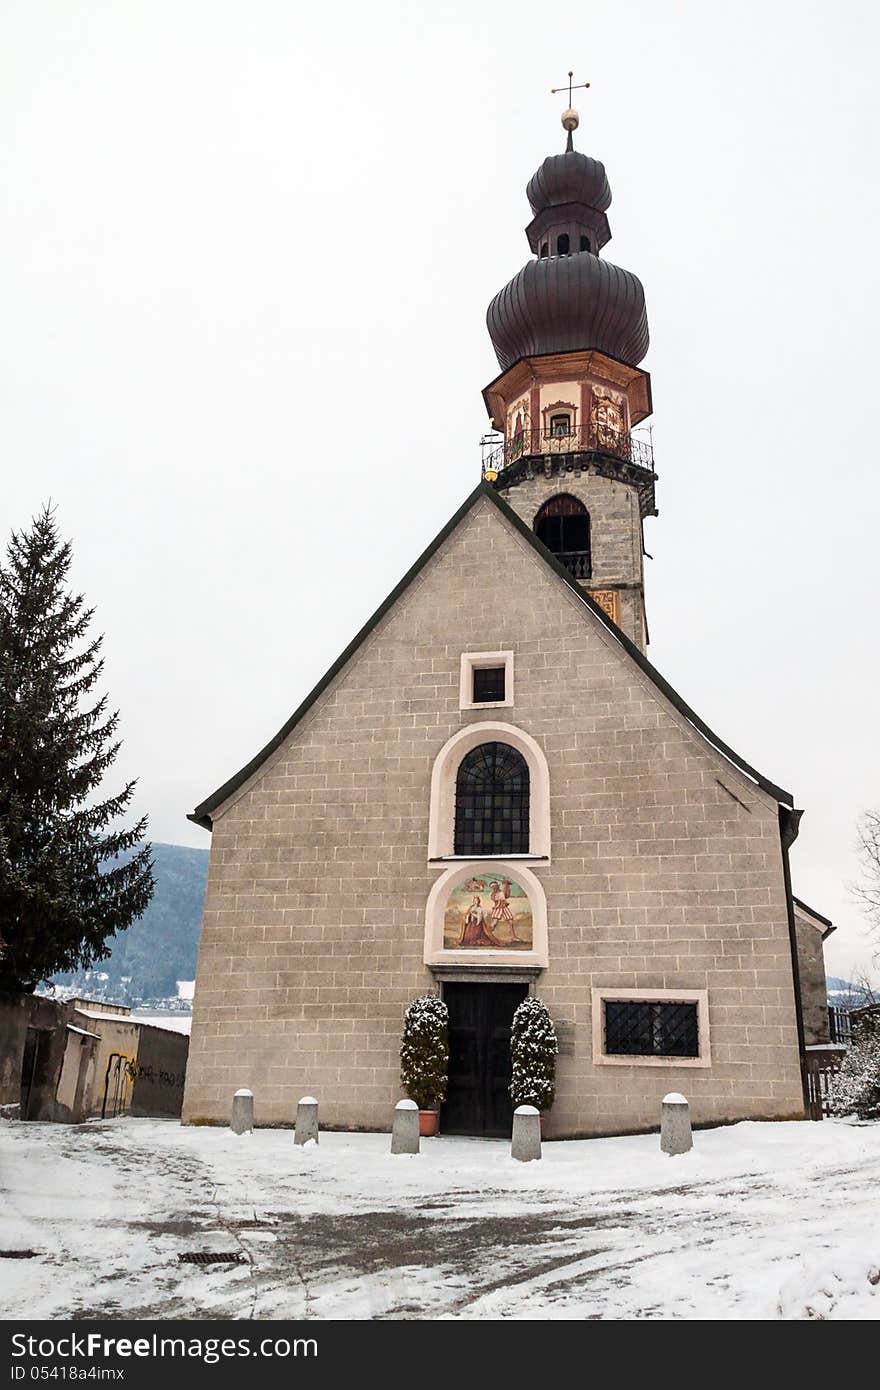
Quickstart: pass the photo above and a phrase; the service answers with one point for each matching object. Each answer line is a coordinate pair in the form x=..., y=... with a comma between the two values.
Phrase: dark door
x=477, y=1096
x=33, y=1070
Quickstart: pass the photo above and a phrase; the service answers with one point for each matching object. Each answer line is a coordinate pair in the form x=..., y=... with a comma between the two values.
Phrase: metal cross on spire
x=570, y=118
x=577, y=86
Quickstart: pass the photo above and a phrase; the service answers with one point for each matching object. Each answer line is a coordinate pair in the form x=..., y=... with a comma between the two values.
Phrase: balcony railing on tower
x=594, y=438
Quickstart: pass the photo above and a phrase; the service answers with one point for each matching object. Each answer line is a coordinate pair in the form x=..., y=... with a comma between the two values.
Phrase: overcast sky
x=247, y=251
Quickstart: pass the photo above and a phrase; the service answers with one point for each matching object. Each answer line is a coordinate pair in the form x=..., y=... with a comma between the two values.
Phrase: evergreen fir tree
x=855, y=1090
x=533, y=1049
x=68, y=878
x=424, y=1051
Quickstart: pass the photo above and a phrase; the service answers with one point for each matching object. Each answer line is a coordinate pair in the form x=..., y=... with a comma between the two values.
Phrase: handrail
x=536, y=442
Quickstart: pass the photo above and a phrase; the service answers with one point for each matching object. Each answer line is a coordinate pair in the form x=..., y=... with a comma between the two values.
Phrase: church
x=493, y=793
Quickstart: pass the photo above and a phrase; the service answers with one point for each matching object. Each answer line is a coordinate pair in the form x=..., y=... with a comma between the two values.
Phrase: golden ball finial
x=570, y=120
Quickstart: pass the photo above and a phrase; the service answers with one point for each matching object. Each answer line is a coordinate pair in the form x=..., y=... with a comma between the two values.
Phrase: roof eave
x=825, y=924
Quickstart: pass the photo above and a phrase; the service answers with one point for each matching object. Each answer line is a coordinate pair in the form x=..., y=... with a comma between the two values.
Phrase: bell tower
x=569, y=331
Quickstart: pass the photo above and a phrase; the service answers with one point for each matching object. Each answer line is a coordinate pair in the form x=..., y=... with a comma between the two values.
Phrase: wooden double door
x=478, y=1094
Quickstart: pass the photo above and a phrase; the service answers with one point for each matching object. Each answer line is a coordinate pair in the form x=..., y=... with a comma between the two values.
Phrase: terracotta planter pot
x=428, y=1122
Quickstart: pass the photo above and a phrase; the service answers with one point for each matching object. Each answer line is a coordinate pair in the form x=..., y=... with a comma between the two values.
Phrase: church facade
x=493, y=793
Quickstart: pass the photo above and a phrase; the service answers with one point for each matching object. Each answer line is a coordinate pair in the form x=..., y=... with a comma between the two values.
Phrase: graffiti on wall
x=118, y=1082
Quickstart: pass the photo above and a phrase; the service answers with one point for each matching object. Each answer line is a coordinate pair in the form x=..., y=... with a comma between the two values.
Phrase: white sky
x=247, y=252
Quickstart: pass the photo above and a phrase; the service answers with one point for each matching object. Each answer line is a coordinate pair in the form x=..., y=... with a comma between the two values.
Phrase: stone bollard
x=526, y=1142
x=306, y=1121
x=242, y=1121
x=675, y=1124
x=405, y=1134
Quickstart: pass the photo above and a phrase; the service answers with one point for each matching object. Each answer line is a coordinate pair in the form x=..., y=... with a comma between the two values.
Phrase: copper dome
x=570, y=301
x=569, y=304
x=569, y=178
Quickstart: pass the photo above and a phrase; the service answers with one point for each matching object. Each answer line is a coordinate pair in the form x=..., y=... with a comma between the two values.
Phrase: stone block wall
x=666, y=868
x=615, y=530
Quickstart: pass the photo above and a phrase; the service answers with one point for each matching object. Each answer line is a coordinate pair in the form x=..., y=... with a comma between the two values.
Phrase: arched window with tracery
x=492, y=801
x=563, y=524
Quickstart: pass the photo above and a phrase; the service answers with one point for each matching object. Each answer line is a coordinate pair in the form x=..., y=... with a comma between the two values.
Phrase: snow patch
x=844, y=1286
x=766, y=1220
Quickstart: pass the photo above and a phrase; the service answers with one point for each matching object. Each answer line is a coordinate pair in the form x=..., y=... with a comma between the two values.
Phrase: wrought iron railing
x=597, y=438
x=839, y=1024
x=577, y=562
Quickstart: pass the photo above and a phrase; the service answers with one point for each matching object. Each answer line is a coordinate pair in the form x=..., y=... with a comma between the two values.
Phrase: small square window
x=486, y=680
x=488, y=684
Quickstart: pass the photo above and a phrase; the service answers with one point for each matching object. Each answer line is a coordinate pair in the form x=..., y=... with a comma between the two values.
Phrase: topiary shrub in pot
x=424, y=1058
x=533, y=1051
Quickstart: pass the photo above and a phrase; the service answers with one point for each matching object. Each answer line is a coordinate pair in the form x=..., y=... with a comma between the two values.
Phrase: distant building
x=494, y=793
x=812, y=931
x=80, y=1059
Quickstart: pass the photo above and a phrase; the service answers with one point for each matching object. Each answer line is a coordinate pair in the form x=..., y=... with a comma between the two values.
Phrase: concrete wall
x=666, y=868
x=49, y=1018
x=73, y=1066
x=15, y=1014
x=160, y=1072
x=115, y=1063
x=73, y=1093
x=811, y=967
x=98, y=1006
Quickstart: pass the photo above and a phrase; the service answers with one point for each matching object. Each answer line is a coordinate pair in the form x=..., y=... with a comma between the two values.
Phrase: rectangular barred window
x=649, y=1028
x=488, y=684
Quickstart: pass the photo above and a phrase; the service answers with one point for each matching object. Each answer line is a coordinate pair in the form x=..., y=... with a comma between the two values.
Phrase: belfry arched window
x=563, y=244
x=492, y=801
x=563, y=524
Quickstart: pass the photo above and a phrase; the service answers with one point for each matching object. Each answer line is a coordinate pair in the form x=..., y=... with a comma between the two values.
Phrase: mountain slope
x=160, y=948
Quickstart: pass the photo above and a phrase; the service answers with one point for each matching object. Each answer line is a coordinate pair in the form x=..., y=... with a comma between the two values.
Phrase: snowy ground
x=759, y=1221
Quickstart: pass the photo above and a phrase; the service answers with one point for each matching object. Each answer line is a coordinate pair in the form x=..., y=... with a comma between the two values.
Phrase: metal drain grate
x=18, y=1254
x=212, y=1257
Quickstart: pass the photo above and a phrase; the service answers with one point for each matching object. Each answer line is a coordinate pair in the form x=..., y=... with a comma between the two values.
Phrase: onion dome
x=569, y=178
x=568, y=300
x=569, y=304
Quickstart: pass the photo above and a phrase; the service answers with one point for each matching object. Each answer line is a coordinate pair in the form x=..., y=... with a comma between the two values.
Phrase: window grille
x=643, y=1028
x=488, y=684
x=492, y=802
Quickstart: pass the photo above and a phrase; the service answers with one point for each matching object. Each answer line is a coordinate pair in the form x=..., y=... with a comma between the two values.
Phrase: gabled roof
x=202, y=814
x=823, y=924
